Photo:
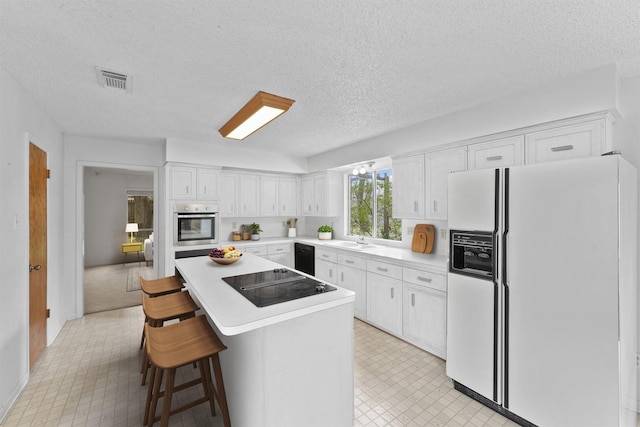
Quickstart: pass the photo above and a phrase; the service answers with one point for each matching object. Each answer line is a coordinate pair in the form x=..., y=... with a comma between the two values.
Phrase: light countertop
x=234, y=314
x=402, y=256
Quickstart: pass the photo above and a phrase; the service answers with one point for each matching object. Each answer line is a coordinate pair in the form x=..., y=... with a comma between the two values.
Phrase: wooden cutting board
x=423, y=235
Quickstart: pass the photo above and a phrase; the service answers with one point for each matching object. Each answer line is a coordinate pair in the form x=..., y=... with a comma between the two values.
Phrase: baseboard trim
x=6, y=407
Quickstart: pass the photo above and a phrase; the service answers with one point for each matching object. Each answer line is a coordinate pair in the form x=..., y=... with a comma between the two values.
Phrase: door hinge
x=48, y=313
x=48, y=173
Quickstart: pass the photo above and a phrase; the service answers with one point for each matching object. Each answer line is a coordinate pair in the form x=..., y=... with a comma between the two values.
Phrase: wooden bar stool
x=158, y=287
x=176, y=345
x=178, y=305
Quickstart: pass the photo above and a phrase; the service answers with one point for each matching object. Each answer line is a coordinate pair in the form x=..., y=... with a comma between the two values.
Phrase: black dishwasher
x=305, y=258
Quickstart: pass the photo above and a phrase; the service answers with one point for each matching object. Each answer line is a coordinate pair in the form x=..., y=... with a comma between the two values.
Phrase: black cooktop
x=275, y=286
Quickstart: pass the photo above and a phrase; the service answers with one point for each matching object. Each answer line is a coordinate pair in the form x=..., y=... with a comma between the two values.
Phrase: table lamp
x=131, y=228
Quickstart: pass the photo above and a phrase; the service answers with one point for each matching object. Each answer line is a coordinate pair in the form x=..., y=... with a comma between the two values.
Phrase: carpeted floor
x=108, y=287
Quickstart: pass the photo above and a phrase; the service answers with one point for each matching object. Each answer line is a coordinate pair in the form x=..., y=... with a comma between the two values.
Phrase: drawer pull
x=492, y=158
x=562, y=148
x=325, y=256
x=413, y=300
x=348, y=261
x=424, y=279
x=383, y=269
x=279, y=250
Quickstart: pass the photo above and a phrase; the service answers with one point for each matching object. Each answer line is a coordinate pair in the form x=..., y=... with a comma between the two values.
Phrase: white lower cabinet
x=424, y=314
x=326, y=271
x=280, y=253
x=355, y=280
x=384, y=302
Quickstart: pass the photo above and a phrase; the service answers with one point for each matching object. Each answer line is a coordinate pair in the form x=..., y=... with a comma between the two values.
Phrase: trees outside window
x=140, y=211
x=370, y=214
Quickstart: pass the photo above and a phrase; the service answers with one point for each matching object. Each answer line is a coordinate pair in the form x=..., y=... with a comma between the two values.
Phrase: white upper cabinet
x=182, y=182
x=248, y=195
x=408, y=187
x=438, y=165
x=496, y=154
x=194, y=183
x=229, y=194
x=269, y=196
x=208, y=184
x=321, y=194
x=287, y=200
x=568, y=142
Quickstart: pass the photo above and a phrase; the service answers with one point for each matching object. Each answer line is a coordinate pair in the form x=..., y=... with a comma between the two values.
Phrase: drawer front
x=279, y=248
x=352, y=261
x=500, y=153
x=424, y=278
x=326, y=255
x=256, y=250
x=384, y=269
x=567, y=142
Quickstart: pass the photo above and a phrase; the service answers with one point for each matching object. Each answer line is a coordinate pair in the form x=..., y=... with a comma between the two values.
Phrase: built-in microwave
x=195, y=224
x=472, y=253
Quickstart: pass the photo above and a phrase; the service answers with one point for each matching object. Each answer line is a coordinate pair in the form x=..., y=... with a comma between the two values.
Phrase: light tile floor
x=90, y=377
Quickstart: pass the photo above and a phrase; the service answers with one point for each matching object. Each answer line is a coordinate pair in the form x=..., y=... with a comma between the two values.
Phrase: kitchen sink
x=352, y=245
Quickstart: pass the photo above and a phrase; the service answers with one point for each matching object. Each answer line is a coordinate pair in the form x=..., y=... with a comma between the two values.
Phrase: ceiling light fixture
x=260, y=110
x=362, y=169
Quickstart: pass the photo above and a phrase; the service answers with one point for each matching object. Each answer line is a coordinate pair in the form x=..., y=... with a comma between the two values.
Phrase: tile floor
x=90, y=377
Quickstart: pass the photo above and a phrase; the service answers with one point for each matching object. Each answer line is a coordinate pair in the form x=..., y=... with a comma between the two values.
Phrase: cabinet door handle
x=34, y=267
x=309, y=208
x=232, y=208
x=284, y=208
x=562, y=148
x=491, y=158
x=330, y=273
x=415, y=206
x=424, y=279
x=348, y=261
x=413, y=300
x=273, y=208
x=187, y=189
x=435, y=206
x=382, y=269
x=245, y=208
x=204, y=189
x=391, y=293
x=317, y=208
x=342, y=277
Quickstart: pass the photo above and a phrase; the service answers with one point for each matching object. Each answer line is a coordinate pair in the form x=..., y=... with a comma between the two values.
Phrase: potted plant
x=255, y=231
x=324, y=232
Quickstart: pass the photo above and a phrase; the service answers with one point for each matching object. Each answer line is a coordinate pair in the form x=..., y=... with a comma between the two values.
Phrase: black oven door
x=195, y=229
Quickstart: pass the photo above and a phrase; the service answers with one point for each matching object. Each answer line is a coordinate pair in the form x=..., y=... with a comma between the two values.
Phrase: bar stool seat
x=158, y=287
x=180, y=344
x=178, y=305
x=161, y=286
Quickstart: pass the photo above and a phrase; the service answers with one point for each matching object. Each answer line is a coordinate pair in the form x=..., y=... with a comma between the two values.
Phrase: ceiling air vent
x=113, y=79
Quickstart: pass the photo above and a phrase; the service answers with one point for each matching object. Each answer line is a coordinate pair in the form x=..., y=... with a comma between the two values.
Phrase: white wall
x=232, y=156
x=106, y=213
x=19, y=115
x=80, y=152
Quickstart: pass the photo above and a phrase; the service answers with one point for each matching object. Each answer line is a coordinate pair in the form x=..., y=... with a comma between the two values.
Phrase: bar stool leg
x=168, y=394
x=221, y=396
x=147, y=406
x=207, y=385
x=156, y=392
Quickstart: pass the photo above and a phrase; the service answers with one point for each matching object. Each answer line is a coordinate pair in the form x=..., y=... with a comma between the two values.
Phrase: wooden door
x=37, y=252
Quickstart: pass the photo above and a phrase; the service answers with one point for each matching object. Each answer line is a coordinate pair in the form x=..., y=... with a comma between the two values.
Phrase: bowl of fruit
x=225, y=256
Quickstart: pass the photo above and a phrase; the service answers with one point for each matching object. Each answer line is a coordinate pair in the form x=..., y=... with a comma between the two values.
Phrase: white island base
x=288, y=364
x=294, y=373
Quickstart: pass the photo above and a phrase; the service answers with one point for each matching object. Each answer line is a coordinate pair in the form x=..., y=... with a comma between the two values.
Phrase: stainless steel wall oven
x=195, y=224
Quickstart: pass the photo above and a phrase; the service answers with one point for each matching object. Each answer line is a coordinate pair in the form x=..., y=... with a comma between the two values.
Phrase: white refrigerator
x=542, y=291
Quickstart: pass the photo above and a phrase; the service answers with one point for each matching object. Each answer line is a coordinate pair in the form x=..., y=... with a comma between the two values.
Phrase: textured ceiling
x=356, y=69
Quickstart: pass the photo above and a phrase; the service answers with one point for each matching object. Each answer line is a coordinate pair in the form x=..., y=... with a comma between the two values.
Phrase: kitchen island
x=287, y=364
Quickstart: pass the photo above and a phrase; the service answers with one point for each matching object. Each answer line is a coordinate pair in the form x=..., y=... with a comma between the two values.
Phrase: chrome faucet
x=360, y=240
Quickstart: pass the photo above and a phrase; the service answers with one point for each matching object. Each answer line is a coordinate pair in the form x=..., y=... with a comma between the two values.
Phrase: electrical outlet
x=410, y=231
x=234, y=225
x=443, y=233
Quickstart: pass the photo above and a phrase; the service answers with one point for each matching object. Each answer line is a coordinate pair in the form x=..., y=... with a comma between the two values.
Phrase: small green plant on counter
x=255, y=228
x=325, y=229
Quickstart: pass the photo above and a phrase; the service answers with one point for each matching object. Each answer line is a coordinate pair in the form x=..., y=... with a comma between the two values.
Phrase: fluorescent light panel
x=260, y=110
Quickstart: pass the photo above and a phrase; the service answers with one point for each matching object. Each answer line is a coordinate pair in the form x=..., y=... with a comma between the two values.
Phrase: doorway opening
x=116, y=253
